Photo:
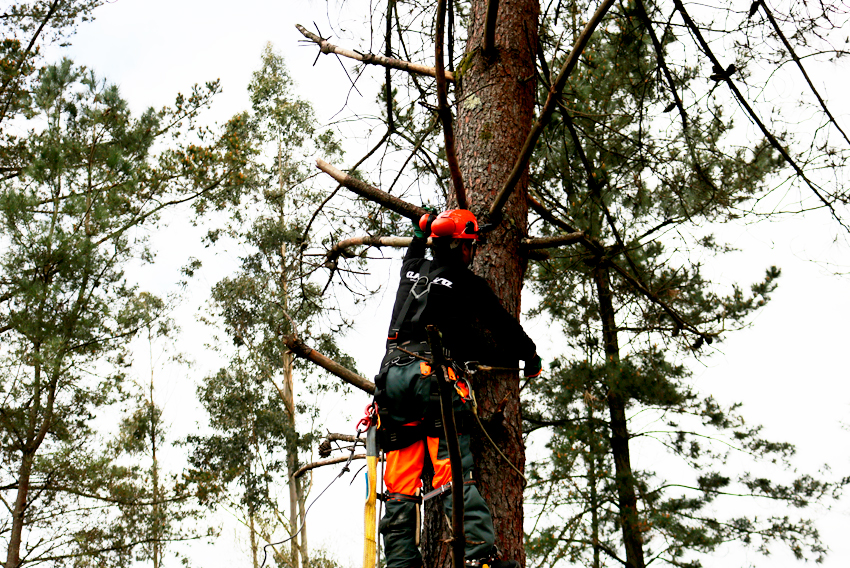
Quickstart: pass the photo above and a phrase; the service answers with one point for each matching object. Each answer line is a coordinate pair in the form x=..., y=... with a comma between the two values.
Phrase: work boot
x=493, y=560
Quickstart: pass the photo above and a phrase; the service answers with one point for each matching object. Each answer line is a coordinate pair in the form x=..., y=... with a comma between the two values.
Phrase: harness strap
x=399, y=497
x=418, y=293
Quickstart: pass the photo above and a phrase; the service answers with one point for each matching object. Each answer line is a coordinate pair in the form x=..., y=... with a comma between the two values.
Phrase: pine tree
x=608, y=164
x=619, y=149
x=72, y=213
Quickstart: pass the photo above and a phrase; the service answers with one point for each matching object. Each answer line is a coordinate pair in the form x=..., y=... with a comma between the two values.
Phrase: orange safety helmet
x=454, y=223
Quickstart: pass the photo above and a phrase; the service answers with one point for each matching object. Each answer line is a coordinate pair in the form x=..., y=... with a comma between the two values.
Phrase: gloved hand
x=533, y=367
x=422, y=228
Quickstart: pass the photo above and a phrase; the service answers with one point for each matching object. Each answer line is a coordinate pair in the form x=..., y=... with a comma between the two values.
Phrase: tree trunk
x=626, y=497
x=302, y=512
x=13, y=556
x=253, y=535
x=291, y=459
x=592, y=459
x=493, y=120
x=156, y=509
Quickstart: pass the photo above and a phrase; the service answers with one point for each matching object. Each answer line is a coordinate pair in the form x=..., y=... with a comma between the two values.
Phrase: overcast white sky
x=789, y=368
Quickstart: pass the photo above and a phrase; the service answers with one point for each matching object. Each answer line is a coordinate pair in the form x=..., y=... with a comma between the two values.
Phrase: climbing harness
x=418, y=296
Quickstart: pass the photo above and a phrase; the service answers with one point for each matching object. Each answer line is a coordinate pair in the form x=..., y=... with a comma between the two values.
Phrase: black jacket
x=473, y=323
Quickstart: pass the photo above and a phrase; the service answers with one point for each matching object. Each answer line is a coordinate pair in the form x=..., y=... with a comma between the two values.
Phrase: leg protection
x=400, y=523
x=477, y=522
x=400, y=529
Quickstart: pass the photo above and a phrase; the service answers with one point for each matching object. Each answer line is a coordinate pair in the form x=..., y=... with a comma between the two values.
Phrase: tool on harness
x=371, y=418
x=443, y=489
x=453, y=375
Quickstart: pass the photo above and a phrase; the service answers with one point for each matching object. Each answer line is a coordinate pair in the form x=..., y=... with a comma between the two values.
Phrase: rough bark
x=494, y=116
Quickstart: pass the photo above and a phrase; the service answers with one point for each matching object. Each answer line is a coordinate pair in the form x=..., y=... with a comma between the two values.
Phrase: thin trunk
x=298, y=546
x=13, y=557
x=626, y=497
x=157, y=520
x=253, y=537
x=302, y=513
x=291, y=458
x=37, y=429
x=591, y=459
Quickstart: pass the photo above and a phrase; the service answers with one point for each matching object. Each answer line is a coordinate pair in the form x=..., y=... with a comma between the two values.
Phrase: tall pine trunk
x=492, y=122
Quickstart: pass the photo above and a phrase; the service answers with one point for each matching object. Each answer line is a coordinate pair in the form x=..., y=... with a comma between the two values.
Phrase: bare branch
x=341, y=248
x=548, y=108
x=371, y=58
x=330, y=461
x=443, y=109
x=490, y=28
x=727, y=77
x=300, y=349
x=371, y=193
x=659, y=52
x=796, y=59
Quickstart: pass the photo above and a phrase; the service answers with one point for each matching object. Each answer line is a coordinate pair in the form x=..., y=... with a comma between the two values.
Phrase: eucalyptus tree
x=74, y=214
x=262, y=424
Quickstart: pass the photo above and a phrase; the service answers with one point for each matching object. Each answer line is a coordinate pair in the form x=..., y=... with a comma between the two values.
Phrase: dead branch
x=371, y=193
x=548, y=108
x=443, y=109
x=341, y=248
x=325, y=447
x=330, y=461
x=301, y=349
x=371, y=58
x=551, y=242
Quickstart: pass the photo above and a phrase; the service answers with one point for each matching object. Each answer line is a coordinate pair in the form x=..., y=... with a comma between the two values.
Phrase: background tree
x=162, y=511
x=617, y=175
x=70, y=220
x=262, y=427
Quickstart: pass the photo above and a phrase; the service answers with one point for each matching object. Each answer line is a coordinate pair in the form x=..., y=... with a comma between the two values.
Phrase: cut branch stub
x=301, y=349
x=490, y=28
x=551, y=102
x=371, y=58
x=372, y=193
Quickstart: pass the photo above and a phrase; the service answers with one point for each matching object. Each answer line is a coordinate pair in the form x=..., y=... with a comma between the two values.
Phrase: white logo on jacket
x=414, y=276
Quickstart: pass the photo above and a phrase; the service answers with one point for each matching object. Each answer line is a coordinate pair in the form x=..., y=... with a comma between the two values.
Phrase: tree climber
x=474, y=327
